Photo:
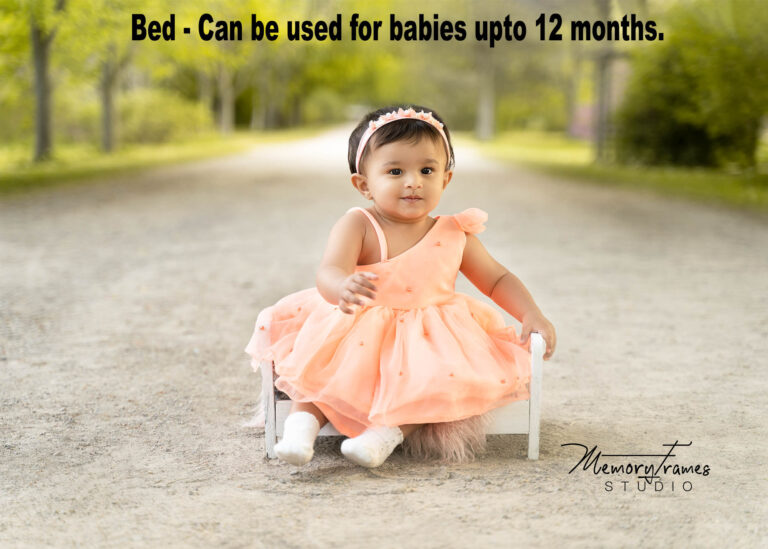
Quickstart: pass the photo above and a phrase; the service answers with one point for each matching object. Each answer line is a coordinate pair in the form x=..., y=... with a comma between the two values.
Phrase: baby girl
x=383, y=347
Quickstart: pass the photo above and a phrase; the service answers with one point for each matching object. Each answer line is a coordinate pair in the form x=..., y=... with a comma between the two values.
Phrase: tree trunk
x=486, y=102
x=257, y=119
x=296, y=110
x=108, y=73
x=572, y=90
x=226, y=100
x=41, y=44
x=267, y=105
x=41, y=39
x=205, y=89
x=603, y=85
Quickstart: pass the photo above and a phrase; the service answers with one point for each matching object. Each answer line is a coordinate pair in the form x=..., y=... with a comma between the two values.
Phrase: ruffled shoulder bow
x=471, y=220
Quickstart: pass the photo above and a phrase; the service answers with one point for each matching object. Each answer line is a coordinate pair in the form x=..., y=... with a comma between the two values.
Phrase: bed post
x=266, y=367
x=268, y=398
x=534, y=416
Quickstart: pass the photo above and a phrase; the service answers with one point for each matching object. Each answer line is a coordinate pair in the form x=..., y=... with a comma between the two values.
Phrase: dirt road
x=125, y=306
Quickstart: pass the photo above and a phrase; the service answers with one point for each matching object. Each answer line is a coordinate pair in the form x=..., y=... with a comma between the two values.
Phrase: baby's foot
x=373, y=446
x=299, y=432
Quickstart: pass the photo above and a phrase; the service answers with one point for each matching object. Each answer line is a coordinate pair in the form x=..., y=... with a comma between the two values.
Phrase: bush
x=17, y=115
x=141, y=116
x=657, y=123
x=698, y=98
x=76, y=115
x=157, y=116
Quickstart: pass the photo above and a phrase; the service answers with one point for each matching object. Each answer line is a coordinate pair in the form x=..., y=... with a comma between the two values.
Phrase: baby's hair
x=408, y=129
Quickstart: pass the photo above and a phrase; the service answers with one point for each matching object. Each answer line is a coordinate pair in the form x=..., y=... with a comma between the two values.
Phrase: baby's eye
x=427, y=171
x=395, y=171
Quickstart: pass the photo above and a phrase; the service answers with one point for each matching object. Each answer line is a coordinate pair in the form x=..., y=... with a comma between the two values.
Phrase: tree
x=99, y=47
x=44, y=17
x=220, y=65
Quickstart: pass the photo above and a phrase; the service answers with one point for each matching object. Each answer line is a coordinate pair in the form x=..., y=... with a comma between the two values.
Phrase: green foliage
x=76, y=115
x=657, y=123
x=157, y=116
x=144, y=115
x=698, y=98
x=16, y=73
x=323, y=106
x=541, y=108
x=17, y=117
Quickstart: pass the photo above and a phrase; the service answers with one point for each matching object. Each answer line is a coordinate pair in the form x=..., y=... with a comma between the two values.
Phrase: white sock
x=297, y=444
x=373, y=446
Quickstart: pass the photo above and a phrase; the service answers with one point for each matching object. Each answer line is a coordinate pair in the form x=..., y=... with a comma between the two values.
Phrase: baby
x=384, y=345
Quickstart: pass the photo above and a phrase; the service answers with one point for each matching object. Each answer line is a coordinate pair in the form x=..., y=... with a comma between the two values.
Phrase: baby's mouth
x=411, y=198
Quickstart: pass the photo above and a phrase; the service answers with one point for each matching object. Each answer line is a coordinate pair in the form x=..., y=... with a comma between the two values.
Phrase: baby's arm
x=507, y=291
x=336, y=279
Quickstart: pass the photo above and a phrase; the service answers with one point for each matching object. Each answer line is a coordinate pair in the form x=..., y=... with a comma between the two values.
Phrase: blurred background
x=685, y=115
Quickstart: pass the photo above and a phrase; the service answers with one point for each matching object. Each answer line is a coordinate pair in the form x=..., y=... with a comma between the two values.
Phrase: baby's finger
x=369, y=275
x=362, y=281
x=551, y=343
x=550, y=348
x=350, y=297
x=360, y=290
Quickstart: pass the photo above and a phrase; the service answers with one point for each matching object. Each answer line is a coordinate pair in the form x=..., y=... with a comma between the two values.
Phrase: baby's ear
x=361, y=184
x=447, y=178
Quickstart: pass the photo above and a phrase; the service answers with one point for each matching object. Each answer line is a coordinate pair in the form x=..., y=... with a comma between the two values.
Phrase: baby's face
x=405, y=180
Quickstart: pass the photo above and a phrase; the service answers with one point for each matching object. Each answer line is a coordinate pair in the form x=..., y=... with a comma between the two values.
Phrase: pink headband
x=400, y=114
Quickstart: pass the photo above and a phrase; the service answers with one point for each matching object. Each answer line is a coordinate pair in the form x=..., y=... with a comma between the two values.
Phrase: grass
x=561, y=156
x=77, y=162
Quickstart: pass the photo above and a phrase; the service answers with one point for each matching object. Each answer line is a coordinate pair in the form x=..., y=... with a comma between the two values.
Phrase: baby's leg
x=408, y=429
x=311, y=408
x=299, y=433
x=375, y=444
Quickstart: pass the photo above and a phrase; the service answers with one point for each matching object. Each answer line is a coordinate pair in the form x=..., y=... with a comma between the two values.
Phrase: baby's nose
x=413, y=181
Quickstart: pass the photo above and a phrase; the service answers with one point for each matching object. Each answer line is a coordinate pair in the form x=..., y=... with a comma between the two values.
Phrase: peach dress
x=419, y=353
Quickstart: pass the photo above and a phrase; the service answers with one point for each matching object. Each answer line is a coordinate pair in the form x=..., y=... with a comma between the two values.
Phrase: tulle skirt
x=442, y=366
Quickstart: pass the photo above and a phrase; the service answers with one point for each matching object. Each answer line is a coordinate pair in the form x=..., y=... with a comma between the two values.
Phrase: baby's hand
x=537, y=322
x=355, y=285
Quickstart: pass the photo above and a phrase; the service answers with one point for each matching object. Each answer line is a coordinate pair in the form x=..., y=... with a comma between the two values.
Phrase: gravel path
x=125, y=306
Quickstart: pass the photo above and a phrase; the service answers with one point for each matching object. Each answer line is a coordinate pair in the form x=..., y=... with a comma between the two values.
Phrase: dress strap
x=379, y=232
